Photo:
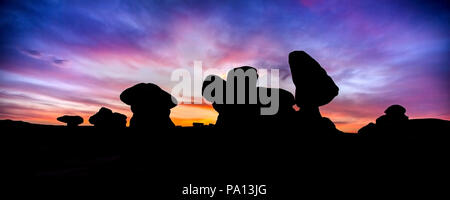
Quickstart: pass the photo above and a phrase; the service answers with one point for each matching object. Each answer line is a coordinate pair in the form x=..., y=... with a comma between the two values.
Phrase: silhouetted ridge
x=396, y=124
x=242, y=104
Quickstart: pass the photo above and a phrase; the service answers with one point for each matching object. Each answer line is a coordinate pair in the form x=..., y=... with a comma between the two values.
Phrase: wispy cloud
x=87, y=52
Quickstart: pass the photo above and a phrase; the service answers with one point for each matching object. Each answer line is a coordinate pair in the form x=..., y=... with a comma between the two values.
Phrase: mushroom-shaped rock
x=396, y=111
x=107, y=119
x=102, y=118
x=394, y=123
x=150, y=106
x=395, y=114
x=314, y=87
x=71, y=121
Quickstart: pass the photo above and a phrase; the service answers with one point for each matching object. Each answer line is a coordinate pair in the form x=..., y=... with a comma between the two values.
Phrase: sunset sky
x=73, y=57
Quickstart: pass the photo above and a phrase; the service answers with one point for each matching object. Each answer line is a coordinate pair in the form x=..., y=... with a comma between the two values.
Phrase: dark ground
x=159, y=162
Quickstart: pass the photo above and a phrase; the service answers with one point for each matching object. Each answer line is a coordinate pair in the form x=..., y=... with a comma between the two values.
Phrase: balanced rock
x=71, y=120
x=313, y=86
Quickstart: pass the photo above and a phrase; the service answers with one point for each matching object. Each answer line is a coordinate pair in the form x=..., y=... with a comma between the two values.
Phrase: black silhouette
x=244, y=110
x=313, y=88
x=254, y=135
x=119, y=120
x=150, y=106
x=218, y=98
x=72, y=121
x=396, y=124
x=238, y=100
x=105, y=118
x=285, y=116
x=368, y=129
x=394, y=120
x=395, y=115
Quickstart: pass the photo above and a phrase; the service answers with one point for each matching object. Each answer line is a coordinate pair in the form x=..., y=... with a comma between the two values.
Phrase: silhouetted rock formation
x=368, y=129
x=394, y=121
x=286, y=113
x=105, y=118
x=102, y=118
x=395, y=114
x=218, y=98
x=119, y=120
x=150, y=106
x=244, y=112
x=313, y=88
x=72, y=121
x=396, y=124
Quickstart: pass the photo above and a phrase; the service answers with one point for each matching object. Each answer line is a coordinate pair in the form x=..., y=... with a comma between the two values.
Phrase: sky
x=73, y=57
